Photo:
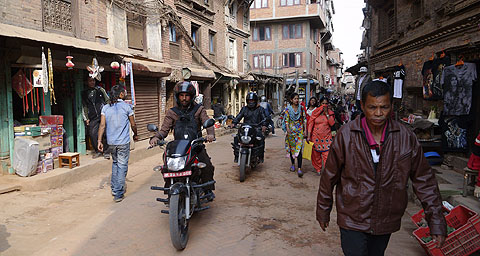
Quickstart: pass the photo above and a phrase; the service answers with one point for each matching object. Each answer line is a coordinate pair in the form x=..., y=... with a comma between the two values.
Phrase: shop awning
x=40, y=36
x=149, y=66
x=198, y=74
x=226, y=75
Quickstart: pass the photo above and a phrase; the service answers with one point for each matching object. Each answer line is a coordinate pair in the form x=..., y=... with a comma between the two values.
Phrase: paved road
x=271, y=213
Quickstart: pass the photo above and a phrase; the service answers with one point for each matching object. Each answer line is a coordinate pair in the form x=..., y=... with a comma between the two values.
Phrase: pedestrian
x=474, y=164
x=93, y=100
x=295, y=120
x=268, y=113
x=312, y=105
x=370, y=162
x=362, y=79
x=117, y=119
x=320, y=133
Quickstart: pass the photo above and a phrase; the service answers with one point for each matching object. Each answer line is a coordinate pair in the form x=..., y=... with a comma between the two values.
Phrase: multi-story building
x=335, y=65
x=291, y=37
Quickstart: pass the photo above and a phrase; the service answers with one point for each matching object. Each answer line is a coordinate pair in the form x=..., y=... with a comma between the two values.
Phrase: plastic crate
x=417, y=217
x=464, y=241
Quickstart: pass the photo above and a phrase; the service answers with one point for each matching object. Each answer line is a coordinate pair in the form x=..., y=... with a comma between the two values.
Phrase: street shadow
x=4, y=245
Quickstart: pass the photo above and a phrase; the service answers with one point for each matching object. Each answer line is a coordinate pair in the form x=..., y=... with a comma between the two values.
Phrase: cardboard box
x=43, y=141
x=56, y=140
x=45, y=165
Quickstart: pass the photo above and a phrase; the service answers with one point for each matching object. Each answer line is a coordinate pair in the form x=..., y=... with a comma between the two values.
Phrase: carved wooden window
x=136, y=31
x=386, y=24
x=57, y=15
x=417, y=9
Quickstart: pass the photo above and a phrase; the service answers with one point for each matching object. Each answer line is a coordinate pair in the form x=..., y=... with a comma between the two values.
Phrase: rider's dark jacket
x=254, y=116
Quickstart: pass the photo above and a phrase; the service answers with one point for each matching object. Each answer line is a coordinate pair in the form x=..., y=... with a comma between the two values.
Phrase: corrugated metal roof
x=40, y=36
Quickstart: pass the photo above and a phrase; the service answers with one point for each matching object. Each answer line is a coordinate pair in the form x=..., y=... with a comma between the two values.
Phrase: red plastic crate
x=464, y=241
x=417, y=217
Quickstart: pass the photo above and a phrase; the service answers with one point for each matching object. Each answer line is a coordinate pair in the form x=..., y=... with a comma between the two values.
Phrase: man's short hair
x=376, y=88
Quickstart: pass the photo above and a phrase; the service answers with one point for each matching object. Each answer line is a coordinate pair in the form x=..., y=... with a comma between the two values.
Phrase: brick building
x=415, y=33
x=335, y=66
x=165, y=43
x=292, y=37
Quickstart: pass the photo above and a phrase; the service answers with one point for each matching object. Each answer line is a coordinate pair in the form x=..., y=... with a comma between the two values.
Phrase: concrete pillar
x=78, y=81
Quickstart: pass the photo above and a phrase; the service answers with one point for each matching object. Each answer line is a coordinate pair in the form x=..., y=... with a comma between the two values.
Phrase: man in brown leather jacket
x=370, y=162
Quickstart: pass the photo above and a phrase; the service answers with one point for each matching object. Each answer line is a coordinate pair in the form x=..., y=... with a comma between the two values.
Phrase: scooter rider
x=180, y=119
x=268, y=112
x=252, y=114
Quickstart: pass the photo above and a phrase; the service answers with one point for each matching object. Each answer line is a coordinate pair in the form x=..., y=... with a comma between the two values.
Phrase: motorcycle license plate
x=177, y=174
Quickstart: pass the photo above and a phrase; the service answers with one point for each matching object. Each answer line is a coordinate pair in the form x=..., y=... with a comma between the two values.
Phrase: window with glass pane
x=267, y=33
x=296, y=1
x=285, y=31
x=291, y=29
x=298, y=31
x=268, y=61
x=195, y=33
x=255, y=34
x=289, y=2
x=291, y=59
x=298, y=59
x=173, y=33
x=211, y=39
x=264, y=3
x=283, y=2
x=255, y=61
x=261, y=31
x=258, y=4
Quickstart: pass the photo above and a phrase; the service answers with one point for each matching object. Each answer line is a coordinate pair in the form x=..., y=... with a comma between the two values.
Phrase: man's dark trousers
x=93, y=133
x=356, y=243
x=208, y=171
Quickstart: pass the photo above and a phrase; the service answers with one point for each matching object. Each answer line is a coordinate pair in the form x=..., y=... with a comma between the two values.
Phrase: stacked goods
x=463, y=234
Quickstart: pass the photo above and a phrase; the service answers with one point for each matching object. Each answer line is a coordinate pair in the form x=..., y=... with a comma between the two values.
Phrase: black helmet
x=186, y=87
x=263, y=99
x=252, y=96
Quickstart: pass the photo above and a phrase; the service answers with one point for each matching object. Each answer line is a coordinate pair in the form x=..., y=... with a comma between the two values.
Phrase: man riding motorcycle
x=186, y=120
x=253, y=115
x=268, y=112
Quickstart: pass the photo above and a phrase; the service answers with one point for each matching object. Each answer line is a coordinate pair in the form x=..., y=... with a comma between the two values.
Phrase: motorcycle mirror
x=152, y=128
x=209, y=123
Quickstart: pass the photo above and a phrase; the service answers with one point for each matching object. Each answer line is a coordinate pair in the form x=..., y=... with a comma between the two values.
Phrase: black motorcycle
x=249, y=147
x=181, y=171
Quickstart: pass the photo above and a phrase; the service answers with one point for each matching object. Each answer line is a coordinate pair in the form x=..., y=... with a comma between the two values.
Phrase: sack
x=307, y=150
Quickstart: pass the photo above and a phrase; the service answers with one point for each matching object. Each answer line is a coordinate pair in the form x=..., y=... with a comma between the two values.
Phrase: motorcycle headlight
x=245, y=139
x=176, y=163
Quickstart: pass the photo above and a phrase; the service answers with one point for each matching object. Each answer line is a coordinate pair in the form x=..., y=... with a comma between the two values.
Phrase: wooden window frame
x=198, y=37
x=295, y=59
x=287, y=5
x=256, y=33
x=142, y=25
x=294, y=32
x=212, y=43
x=264, y=59
x=261, y=4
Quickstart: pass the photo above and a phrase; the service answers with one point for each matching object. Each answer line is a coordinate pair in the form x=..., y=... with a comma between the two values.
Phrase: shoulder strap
x=177, y=111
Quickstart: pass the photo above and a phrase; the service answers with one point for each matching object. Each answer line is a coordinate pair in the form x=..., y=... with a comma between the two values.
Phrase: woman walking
x=312, y=105
x=320, y=133
x=294, y=119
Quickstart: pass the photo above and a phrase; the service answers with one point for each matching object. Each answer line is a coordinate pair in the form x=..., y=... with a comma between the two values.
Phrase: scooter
x=181, y=171
x=249, y=147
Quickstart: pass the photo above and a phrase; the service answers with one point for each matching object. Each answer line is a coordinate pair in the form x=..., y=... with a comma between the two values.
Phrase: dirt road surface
x=271, y=213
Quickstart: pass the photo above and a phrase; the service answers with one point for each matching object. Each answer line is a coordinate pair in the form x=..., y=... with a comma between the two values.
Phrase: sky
x=347, y=23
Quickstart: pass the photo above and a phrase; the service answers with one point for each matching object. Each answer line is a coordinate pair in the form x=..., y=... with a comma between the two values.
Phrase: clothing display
x=398, y=78
x=438, y=66
x=457, y=82
x=427, y=80
x=454, y=133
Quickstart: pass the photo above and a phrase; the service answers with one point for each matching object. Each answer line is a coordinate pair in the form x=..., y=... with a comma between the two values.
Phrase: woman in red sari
x=320, y=133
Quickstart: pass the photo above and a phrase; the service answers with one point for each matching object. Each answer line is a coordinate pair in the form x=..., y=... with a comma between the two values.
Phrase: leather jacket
x=250, y=116
x=374, y=201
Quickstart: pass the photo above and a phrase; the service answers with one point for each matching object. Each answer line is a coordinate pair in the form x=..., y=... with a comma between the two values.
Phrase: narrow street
x=271, y=213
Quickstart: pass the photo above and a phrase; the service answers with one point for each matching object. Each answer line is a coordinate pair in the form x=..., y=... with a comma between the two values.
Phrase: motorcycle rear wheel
x=178, y=222
x=243, y=166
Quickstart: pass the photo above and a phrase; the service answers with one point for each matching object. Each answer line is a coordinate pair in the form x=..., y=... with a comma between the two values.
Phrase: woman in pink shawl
x=320, y=133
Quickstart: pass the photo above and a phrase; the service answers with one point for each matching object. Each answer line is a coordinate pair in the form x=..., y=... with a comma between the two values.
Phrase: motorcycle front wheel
x=243, y=166
x=178, y=221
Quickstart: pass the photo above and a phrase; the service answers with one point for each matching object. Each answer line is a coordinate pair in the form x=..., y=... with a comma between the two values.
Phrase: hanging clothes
x=457, y=82
x=438, y=66
x=454, y=132
x=427, y=80
x=398, y=78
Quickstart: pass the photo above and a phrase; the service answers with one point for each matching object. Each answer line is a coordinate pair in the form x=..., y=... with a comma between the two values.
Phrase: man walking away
x=362, y=79
x=117, y=117
x=93, y=100
x=370, y=162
